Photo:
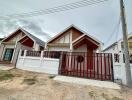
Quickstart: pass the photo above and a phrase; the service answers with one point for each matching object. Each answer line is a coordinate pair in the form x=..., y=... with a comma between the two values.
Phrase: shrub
x=52, y=76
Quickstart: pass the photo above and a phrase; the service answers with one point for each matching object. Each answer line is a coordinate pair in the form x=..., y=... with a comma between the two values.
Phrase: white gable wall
x=16, y=38
x=59, y=49
x=82, y=48
x=65, y=38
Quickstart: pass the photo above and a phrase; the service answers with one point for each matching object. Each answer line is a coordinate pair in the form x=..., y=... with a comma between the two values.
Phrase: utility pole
x=125, y=41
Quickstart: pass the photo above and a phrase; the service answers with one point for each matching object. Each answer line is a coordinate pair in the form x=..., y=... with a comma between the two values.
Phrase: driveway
x=20, y=87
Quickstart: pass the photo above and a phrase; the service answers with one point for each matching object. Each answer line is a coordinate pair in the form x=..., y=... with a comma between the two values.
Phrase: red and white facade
x=11, y=45
x=73, y=39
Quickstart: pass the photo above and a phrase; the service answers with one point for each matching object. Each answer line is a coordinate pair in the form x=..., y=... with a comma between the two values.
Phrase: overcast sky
x=97, y=20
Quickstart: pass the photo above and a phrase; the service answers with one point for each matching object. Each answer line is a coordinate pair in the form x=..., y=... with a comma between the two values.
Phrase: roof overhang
x=11, y=35
x=84, y=39
x=33, y=38
x=26, y=41
x=73, y=26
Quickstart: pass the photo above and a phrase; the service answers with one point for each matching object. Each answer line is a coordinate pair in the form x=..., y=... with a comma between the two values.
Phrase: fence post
x=42, y=53
x=41, y=58
x=25, y=53
x=24, y=56
x=112, y=67
x=60, y=62
x=122, y=65
x=115, y=65
x=119, y=70
x=70, y=63
x=20, y=53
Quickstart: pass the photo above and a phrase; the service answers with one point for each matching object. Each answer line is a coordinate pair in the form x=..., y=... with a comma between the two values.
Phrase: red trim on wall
x=13, y=35
x=27, y=42
x=61, y=35
x=83, y=41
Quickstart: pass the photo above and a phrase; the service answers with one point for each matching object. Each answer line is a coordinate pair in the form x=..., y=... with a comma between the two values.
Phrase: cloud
x=8, y=26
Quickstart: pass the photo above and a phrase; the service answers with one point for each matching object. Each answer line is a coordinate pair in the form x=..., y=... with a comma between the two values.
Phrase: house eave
x=9, y=43
x=58, y=45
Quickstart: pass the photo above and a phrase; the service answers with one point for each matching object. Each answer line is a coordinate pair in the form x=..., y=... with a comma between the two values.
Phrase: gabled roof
x=35, y=39
x=84, y=35
x=73, y=26
x=85, y=39
x=115, y=43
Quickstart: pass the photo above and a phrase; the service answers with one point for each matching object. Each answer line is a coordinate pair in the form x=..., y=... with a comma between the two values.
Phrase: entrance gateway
x=98, y=66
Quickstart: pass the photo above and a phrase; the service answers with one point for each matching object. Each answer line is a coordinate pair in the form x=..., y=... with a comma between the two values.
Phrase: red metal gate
x=96, y=66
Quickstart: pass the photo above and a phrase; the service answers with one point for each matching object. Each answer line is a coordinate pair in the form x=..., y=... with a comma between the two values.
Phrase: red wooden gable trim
x=27, y=41
x=63, y=33
x=60, y=36
x=86, y=40
x=12, y=35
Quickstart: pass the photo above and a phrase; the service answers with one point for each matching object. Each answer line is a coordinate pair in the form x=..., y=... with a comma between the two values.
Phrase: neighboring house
x=118, y=47
x=73, y=39
x=20, y=39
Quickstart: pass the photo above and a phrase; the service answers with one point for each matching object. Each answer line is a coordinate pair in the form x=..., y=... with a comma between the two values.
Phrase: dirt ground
x=45, y=88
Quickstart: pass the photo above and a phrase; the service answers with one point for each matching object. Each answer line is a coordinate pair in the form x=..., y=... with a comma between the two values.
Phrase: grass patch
x=92, y=94
x=5, y=75
x=116, y=98
x=51, y=77
x=30, y=81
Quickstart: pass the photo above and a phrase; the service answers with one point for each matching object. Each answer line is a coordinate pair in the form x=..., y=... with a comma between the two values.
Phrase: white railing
x=37, y=63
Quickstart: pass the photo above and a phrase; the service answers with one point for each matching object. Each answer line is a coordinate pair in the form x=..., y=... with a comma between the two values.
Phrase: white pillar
x=71, y=46
x=25, y=53
x=41, y=58
x=42, y=53
x=20, y=53
x=1, y=50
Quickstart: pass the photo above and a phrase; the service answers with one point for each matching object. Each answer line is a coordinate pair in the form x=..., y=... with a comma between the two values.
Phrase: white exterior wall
x=65, y=39
x=119, y=69
x=16, y=52
x=113, y=49
x=36, y=46
x=38, y=64
x=59, y=49
x=82, y=48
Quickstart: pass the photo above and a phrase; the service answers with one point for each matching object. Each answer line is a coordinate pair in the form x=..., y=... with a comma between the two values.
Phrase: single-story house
x=73, y=39
x=20, y=39
x=81, y=54
x=117, y=47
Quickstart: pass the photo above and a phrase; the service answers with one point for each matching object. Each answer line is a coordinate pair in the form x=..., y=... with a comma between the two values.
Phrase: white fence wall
x=38, y=64
x=119, y=69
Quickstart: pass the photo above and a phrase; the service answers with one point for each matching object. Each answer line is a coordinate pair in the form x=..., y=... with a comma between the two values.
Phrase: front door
x=8, y=54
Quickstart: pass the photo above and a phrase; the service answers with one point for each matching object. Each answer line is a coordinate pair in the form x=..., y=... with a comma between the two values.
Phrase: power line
x=115, y=30
x=61, y=8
